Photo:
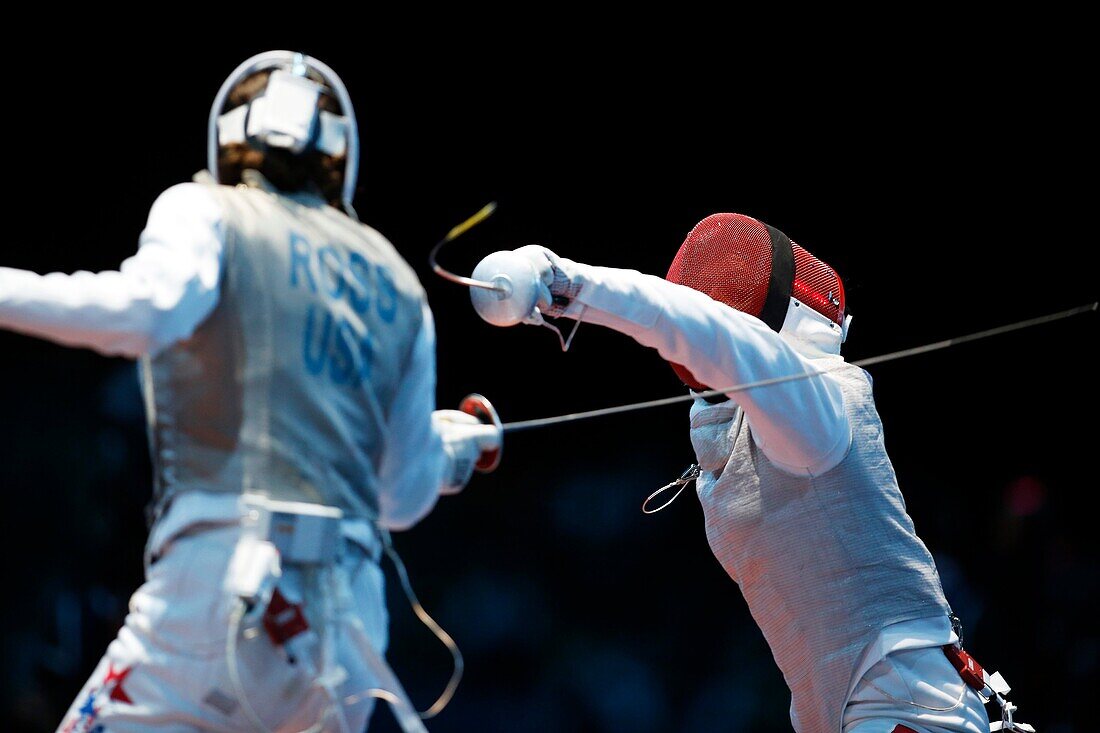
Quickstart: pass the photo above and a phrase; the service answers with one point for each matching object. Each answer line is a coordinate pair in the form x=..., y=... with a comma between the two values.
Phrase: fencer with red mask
x=801, y=504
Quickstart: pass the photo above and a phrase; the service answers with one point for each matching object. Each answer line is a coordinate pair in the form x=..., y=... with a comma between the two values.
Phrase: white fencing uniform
x=801, y=504
x=287, y=351
x=167, y=669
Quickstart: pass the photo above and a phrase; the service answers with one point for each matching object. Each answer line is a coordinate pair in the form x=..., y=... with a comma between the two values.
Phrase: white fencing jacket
x=161, y=295
x=790, y=483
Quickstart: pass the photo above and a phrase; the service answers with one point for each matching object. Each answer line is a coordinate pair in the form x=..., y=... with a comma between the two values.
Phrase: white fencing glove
x=465, y=438
x=559, y=279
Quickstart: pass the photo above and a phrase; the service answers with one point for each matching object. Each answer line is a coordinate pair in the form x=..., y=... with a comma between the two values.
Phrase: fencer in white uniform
x=801, y=503
x=287, y=354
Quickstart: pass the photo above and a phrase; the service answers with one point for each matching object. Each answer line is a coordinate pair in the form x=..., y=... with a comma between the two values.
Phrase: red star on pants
x=118, y=678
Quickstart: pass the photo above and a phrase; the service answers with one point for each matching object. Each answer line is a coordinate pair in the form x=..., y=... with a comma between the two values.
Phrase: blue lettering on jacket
x=332, y=272
x=315, y=345
x=332, y=346
x=300, y=251
x=387, y=295
x=359, y=284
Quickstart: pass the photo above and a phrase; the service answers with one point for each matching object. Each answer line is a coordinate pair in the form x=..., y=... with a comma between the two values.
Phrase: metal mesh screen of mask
x=818, y=286
x=729, y=258
x=755, y=269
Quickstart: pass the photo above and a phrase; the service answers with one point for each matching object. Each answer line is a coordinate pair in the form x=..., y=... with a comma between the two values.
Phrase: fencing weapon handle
x=476, y=405
x=516, y=292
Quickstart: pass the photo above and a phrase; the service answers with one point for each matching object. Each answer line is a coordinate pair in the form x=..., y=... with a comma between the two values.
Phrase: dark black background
x=936, y=175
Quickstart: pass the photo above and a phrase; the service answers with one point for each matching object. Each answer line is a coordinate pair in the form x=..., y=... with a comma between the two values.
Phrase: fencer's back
x=286, y=387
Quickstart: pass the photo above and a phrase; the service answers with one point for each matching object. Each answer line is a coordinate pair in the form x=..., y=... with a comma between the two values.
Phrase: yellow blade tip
x=484, y=213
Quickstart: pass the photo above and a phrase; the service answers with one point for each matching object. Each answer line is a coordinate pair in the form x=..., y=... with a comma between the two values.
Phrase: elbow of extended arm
x=808, y=456
x=832, y=451
x=402, y=510
x=141, y=332
x=805, y=442
x=161, y=319
x=410, y=495
x=401, y=518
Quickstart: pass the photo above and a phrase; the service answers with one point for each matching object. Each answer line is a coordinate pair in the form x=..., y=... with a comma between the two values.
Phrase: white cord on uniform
x=536, y=319
x=930, y=708
x=456, y=654
x=235, y=619
x=234, y=672
x=331, y=618
x=686, y=478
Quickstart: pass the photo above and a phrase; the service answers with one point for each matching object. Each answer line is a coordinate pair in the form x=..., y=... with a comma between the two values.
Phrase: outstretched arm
x=800, y=425
x=157, y=297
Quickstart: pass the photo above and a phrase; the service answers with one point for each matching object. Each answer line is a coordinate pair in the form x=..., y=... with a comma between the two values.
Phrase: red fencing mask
x=756, y=269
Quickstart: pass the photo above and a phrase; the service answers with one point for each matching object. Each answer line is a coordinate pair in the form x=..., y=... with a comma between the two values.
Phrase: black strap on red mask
x=780, y=282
